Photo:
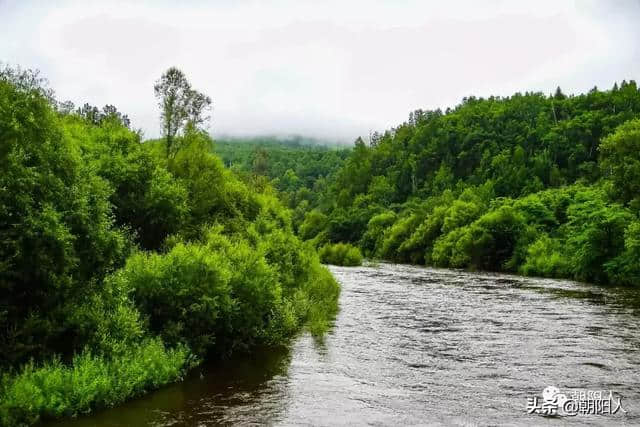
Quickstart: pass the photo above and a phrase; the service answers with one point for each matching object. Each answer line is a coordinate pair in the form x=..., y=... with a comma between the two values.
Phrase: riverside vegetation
x=340, y=254
x=533, y=184
x=123, y=263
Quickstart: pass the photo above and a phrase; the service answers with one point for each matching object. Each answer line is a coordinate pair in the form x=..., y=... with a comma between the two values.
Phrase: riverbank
x=122, y=262
x=415, y=346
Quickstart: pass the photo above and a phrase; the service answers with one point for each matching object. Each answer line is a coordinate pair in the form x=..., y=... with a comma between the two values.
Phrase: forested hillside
x=126, y=262
x=299, y=168
x=123, y=263
x=535, y=184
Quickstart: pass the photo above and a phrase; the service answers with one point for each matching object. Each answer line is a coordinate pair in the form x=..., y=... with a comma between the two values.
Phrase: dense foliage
x=123, y=263
x=541, y=185
x=298, y=168
x=89, y=381
x=340, y=254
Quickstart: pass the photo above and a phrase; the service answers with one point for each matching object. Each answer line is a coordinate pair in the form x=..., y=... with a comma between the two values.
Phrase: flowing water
x=416, y=346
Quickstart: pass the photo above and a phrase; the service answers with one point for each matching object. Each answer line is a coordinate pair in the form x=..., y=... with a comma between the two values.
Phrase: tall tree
x=260, y=161
x=620, y=162
x=179, y=104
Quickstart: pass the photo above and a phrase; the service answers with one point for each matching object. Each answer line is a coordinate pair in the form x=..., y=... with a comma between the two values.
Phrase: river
x=420, y=346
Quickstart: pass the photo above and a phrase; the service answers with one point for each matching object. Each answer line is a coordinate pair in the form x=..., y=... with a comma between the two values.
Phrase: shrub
x=228, y=292
x=452, y=249
x=372, y=239
x=340, y=254
x=146, y=198
x=214, y=193
x=53, y=390
x=314, y=222
x=546, y=257
x=316, y=303
x=625, y=269
x=494, y=238
x=397, y=234
x=58, y=236
x=490, y=243
x=596, y=234
x=183, y=293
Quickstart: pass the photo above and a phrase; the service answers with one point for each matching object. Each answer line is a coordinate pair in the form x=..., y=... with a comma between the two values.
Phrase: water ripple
x=420, y=346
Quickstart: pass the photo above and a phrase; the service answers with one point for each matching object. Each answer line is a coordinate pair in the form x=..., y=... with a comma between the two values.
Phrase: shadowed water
x=421, y=346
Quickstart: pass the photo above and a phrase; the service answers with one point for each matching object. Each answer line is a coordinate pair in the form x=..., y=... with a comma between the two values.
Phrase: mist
x=331, y=70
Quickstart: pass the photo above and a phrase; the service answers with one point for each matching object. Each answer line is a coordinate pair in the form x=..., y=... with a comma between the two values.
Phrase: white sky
x=329, y=69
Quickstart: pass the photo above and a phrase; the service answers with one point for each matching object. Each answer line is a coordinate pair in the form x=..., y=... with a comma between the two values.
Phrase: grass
x=90, y=382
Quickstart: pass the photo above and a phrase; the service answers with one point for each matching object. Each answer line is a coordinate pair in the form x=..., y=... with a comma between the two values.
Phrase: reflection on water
x=421, y=346
x=247, y=388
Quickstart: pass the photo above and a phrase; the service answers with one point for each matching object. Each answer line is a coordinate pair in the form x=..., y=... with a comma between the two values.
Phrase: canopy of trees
x=298, y=168
x=179, y=104
x=544, y=185
x=123, y=263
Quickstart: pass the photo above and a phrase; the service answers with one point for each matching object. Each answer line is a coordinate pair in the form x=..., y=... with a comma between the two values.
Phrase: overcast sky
x=330, y=69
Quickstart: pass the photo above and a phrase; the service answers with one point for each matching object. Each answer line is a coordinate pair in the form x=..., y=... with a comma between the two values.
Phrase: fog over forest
x=331, y=70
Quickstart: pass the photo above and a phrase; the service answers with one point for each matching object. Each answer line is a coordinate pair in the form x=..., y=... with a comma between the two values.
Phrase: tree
x=56, y=226
x=94, y=116
x=260, y=161
x=109, y=112
x=27, y=80
x=179, y=104
x=596, y=236
x=620, y=162
x=90, y=113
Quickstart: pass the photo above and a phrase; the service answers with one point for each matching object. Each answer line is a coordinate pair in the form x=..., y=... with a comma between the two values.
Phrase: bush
x=493, y=242
x=54, y=389
x=546, y=257
x=595, y=234
x=183, y=293
x=146, y=198
x=228, y=292
x=341, y=254
x=452, y=249
x=85, y=316
x=314, y=222
x=58, y=235
x=214, y=193
x=625, y=269
x=317, y=301
x=372, y=239
x=397, y=234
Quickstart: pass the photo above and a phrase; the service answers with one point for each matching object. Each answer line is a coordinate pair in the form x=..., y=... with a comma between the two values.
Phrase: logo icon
x=574, y=402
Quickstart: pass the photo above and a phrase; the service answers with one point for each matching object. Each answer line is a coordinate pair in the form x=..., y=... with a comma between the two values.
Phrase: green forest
x=125, y=262
x=298, y=168
x=530, y=184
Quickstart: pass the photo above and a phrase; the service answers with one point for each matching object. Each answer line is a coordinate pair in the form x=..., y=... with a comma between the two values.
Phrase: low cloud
x=326, y=69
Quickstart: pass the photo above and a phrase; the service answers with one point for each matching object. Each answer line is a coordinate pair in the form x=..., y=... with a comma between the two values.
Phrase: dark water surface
x=416, y=346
